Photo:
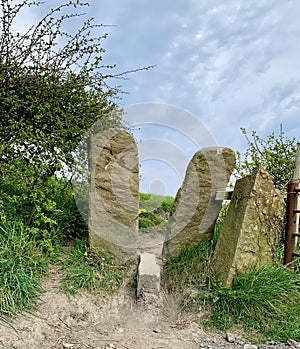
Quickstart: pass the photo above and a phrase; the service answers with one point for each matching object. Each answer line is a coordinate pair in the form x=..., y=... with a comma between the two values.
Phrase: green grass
x=151, y=202
x=280, y=256
x=154, y=212
x=85, y=269
x=22, y=265
x=33, y=225
x=264, y=302
x=149, y=219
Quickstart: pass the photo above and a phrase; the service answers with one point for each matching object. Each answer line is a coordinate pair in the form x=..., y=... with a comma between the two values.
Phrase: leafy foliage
x=149, y=219
x=154, y=211
x=50, y=94
x=276, y=154
x=151, y=202
x=49, y=212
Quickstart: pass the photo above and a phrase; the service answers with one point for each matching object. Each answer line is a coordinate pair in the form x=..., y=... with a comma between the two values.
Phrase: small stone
x=148, y=275
x=250, y=346
x=230, y=338
x=292, y=343
x=157, y=329
x=67, y=345
x=110, y=346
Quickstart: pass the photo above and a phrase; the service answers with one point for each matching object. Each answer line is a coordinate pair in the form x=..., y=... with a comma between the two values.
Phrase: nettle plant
x=276, y=154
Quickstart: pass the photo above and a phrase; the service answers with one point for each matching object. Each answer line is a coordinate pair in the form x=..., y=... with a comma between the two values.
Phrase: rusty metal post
x=291, y=230
x=296, y=178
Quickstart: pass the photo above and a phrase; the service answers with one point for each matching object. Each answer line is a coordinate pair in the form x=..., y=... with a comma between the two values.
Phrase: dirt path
x=88, y=321
x=92, y=321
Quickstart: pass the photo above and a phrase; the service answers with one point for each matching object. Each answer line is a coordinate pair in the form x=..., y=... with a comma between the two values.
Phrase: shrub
x=276, y=153
x=149, y=219
x=167, y=204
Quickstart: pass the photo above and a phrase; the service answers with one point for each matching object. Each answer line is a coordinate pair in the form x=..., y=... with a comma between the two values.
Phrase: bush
x=144, y=196
x=167, y=204
x=151, y=202
x=275, y=153
x=149, y=219
x=51, y=208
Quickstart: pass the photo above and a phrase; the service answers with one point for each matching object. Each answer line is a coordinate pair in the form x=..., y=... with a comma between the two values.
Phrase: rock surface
x=114, y=194
x=148, y=279
x=252, y=227
x=195, y=208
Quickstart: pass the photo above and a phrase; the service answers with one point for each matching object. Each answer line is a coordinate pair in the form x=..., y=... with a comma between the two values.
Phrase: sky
x=219, y=66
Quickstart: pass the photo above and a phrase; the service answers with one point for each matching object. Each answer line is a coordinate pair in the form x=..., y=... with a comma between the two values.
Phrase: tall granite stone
x=114, y=194
x=195, y=208
x=250, y=233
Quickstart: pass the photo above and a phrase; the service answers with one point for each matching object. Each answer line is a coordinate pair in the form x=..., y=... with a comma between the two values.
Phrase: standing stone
x=250, y=233
x=195, y=208
x=114, y=194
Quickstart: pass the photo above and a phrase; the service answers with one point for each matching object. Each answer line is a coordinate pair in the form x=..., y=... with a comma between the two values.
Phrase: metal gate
x=292, y=223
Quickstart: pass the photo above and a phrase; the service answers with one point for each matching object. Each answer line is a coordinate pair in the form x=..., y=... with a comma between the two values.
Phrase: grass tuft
x=21, y=268
x=264, y=301
x=86, y=269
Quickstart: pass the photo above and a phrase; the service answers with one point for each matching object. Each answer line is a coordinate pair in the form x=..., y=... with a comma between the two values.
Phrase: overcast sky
x=230, y=64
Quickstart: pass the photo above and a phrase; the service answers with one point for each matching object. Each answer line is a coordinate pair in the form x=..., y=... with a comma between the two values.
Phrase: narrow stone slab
x=114, y=194
x=196, y=208
x=148, y=276
x=250, y=233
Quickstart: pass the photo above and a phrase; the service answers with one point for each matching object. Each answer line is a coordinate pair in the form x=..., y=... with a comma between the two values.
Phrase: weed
x=154, y=211
x=144, y=196
x=188, y=269
x=167, y=204
x=86, y=269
